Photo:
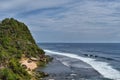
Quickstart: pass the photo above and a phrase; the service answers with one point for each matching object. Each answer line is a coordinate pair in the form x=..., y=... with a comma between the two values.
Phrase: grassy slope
x=16, y=40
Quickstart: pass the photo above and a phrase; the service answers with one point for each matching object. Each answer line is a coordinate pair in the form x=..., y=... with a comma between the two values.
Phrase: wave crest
x=102, y=67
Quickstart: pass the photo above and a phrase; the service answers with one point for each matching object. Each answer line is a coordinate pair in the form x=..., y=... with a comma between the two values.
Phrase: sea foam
x=102, y=67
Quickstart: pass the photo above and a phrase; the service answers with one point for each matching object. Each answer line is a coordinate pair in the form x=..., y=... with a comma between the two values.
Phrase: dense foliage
x=15, y=40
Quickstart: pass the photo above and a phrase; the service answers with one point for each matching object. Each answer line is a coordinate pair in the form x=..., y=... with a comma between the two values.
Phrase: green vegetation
x=16, y=40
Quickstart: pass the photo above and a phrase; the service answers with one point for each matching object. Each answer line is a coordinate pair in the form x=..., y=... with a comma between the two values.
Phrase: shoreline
x=101, y=67
x=32, y=63
x=59, y=71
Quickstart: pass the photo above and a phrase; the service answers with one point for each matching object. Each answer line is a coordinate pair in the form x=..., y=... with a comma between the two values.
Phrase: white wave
x=64, y=62
x=102, y=67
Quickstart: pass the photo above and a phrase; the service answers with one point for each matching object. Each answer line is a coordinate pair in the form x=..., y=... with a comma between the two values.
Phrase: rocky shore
x=58, y=71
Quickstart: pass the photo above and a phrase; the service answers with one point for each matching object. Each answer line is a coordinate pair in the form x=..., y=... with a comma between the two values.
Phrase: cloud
x=68, y=20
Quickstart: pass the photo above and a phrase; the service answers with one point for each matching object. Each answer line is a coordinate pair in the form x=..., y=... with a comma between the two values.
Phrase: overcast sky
x=67, y=20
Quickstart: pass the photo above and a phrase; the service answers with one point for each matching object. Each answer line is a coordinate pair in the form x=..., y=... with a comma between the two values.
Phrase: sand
x=30, y=65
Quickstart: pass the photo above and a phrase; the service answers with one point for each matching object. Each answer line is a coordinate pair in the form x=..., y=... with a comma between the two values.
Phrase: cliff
x=17, y=43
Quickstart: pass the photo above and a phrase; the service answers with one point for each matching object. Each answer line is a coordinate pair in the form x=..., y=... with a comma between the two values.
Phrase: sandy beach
x=28, y=64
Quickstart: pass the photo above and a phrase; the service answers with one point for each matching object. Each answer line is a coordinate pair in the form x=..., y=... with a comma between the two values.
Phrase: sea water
x=103, y=57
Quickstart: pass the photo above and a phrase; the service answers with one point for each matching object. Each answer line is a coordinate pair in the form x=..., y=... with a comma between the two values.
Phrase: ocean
x=81, y=58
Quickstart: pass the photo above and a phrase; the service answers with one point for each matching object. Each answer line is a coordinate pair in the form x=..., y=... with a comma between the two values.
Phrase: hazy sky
x=67, y=20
